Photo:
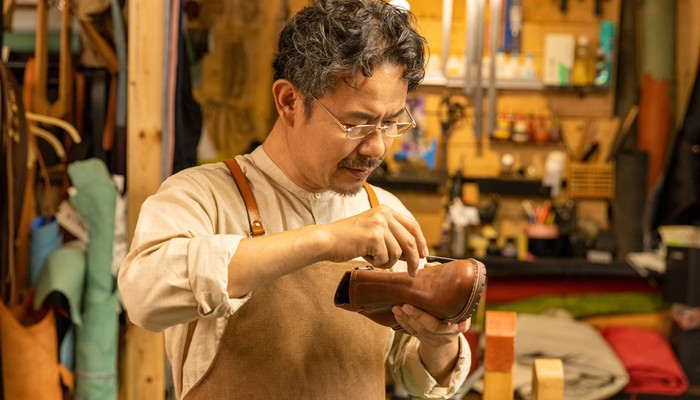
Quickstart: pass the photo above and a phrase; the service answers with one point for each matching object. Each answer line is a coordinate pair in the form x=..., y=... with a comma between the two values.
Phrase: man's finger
x=410, y=235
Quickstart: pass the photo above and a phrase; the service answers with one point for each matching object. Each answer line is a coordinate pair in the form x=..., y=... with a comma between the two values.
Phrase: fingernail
x=407, y=309
x=426, y=251
x=397, y=311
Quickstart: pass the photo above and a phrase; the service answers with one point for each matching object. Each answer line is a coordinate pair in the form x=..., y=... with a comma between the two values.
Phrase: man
x=253, y=317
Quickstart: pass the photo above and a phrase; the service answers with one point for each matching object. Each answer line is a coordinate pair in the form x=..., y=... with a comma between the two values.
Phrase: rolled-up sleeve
x=409, y=371
x=177, y=267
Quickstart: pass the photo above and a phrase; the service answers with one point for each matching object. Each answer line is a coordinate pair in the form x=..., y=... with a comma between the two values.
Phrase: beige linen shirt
x=186, y=235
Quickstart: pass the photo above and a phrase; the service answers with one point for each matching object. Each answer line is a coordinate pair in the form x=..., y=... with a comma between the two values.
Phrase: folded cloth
x=592, y=370
x=649, y=360
x=587, y=304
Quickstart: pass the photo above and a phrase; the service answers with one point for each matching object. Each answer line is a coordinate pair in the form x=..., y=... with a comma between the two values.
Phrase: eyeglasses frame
x=381, y=128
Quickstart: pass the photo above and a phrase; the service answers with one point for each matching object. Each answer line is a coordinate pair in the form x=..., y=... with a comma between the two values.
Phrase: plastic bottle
x=520, y=130
x=553, y=171
x=503, y=127
x=500, y=61
x=455, y=67
x=527, y=71
x=555, y=130
x=584, y=63
x=604, y=54
x=512, y=70
x=540, y=133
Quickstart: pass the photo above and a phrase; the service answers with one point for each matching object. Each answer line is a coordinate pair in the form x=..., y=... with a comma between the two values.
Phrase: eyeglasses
x=390, y=129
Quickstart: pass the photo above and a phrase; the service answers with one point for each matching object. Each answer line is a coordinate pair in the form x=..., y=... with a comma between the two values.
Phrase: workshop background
x=558, y=141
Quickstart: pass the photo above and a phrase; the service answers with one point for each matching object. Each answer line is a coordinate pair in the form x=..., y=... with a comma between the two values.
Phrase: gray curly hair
x=330, y=40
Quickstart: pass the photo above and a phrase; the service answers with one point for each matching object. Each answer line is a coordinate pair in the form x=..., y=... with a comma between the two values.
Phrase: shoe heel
x=475, y=297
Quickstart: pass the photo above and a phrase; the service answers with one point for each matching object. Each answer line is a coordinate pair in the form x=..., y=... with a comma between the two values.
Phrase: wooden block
x=498, y=385
x=500, y=341
x=547, y=379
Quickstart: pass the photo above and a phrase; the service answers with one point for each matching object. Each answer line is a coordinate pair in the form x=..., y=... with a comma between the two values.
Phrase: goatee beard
x=354, y=163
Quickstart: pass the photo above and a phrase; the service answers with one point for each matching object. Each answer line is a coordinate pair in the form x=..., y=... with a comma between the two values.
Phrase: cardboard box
x=558, y=59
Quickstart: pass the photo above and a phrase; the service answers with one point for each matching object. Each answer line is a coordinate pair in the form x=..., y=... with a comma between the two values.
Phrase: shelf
x=514, y=84
x=510, y=143
x=511, y=84
x=512, y=187
x=410, y=179
x=503, y=266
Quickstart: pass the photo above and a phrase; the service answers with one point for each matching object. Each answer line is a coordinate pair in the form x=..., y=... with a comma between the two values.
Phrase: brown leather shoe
x=449, y=292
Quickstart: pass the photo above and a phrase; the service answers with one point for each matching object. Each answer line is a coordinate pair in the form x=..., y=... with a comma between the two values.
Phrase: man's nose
x=375, y=144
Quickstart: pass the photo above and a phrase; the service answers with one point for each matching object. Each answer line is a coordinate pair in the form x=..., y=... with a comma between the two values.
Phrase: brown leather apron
x=290, y=341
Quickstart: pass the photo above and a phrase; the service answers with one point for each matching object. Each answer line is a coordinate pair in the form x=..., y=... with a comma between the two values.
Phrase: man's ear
x=288, y=101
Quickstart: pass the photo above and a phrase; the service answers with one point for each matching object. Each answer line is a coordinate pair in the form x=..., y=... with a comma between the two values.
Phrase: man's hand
x=381, y=236
x=439, y=340
x=426, y=328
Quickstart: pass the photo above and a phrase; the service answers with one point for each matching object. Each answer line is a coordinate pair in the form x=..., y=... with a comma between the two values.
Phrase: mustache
x=360, y=163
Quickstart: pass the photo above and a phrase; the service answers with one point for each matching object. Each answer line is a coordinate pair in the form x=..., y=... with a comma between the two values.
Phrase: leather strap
x=242, y=183
x=373, y=201
x=188, y=341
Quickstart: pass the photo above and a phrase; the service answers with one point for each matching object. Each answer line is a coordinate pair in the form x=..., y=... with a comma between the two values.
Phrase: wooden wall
x=580, y=111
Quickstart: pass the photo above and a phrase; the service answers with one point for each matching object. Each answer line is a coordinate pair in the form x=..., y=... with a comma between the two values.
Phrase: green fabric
x=96, y=339
x=96, y=200
x=96, y=351
x=23, y=42
x=64, y=272
x=587, y=304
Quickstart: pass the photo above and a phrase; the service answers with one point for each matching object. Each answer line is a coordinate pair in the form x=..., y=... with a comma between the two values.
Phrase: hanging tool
x=475, y=53
x=450, y=114
x=475, y=46
x=446, y=32
x=514, y=13
x=40, y=103
x=598, y=7
x=493, y=36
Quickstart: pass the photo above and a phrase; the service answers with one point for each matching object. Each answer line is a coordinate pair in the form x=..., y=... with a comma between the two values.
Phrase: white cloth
x=186, y=235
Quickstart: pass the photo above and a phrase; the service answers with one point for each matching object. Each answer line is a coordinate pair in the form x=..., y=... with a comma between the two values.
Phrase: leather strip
x=188, y=340
x=242, y=183
x=373, y=201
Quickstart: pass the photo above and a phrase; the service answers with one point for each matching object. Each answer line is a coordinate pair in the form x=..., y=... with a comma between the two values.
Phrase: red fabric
x=649, y=360
x=507, y=290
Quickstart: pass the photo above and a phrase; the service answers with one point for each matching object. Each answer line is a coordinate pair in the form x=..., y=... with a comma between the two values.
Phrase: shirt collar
x=263, y=162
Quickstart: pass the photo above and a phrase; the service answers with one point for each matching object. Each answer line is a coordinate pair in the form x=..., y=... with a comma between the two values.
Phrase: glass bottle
x=584, y=63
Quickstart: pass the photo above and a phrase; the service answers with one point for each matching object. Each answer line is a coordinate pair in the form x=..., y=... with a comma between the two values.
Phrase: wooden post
x=547, y=379
x=499, y=355
x=143, y=366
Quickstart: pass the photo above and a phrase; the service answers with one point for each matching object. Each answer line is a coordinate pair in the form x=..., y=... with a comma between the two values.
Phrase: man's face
x=323, y=157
